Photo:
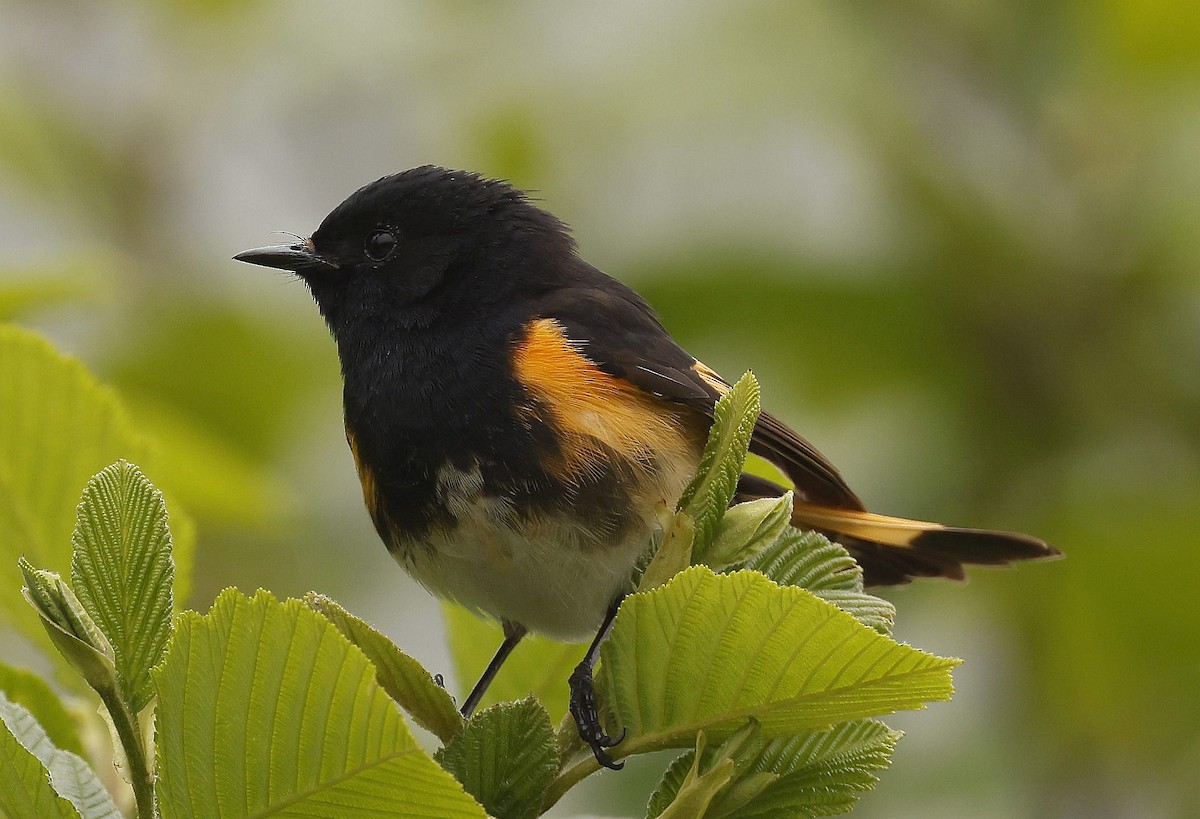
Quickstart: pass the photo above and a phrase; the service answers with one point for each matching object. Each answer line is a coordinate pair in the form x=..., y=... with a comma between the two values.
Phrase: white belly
x=540, y=583
x=546, y=575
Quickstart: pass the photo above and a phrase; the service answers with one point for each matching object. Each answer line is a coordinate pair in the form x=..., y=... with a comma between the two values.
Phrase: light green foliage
x=39, y=780
x=60, y=428
x=817, y=774
x=70, y=627
x=673, y=555
x=706, y=651
x=290, y=708
x=693, y=781
x=264, y=707
x=87, y=650
x=219, y=482
x=122, y=571
x=709, y=493
x=808, y=560
x=402, y=677
x=821, y=774
x=223, y=418
x=25, y=789
x=117, y=627
x=23, y=291
x=505, y=757
x=748, y=528
x=32, y=693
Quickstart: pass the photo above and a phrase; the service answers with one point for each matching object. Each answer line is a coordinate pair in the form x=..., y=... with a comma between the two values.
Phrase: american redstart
x=517, y=417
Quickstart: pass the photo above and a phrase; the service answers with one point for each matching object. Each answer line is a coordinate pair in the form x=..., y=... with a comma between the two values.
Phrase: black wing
x=620, y=333
x=616, y=329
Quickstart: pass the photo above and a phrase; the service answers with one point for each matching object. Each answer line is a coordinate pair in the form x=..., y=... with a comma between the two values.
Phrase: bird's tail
x=892, y=550
x=895, y=550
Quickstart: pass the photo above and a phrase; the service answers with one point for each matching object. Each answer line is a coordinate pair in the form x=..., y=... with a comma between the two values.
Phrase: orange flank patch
x=365, y=476
x=593, y=411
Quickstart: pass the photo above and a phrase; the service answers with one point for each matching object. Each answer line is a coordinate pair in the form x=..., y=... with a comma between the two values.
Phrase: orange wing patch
x=365, y=477
x=593, y=410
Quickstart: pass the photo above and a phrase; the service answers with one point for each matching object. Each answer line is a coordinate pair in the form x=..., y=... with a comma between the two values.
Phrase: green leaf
x=221, y=482
x=707, y=651
x=818, y=774
x=505, y=757
x=873, y=612
x=673, y=778
x=24, y=290
x=264, y=707
x=39, y=780
x=402, y=677
x=538, y=666
x=814, y=774
x=31, y=692
x=183, y=550
x=673, y=555
x=810, y=561
x=757, y=465
x=25, y=789
x=694, y=792
x=254, y=374
x=122, y=572
x=692, y=781
x=60, y=428
x=86, y=650
x=710, y=492
x=71, y=629
x=749, y=528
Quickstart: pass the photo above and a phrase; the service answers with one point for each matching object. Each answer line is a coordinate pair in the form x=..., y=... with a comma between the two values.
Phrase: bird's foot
x=587, y=716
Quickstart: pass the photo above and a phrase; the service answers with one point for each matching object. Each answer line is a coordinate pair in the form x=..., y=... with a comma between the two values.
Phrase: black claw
x=608, y=742
x=606, y=760
x=587, y=717
x=440, y=680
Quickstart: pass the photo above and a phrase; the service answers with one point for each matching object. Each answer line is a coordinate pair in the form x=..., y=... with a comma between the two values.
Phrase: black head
x=422, y=243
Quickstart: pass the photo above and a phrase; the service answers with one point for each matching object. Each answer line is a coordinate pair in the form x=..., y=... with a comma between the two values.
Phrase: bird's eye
x=380, y=245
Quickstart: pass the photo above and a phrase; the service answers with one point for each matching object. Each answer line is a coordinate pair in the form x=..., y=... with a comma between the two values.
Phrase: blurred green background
x=957, y=240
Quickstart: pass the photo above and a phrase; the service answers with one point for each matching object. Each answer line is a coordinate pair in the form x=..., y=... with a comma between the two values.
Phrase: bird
x=518, y=418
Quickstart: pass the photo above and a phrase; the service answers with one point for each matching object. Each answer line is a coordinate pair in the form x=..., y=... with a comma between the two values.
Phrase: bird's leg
x=513, y=632
x=583, y=697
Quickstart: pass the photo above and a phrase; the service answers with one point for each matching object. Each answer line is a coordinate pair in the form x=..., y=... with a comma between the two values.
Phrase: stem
x=568, y=779
x=585, y=767
x=655, y=741
x=135, y=755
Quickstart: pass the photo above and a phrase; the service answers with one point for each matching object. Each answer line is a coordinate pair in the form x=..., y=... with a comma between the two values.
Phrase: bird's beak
x=299, y=258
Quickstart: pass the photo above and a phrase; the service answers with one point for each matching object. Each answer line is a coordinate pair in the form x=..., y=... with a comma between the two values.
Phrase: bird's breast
x=537, y=511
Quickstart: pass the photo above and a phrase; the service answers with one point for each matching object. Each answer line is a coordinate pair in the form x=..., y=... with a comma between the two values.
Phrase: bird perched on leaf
x=517, y=417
